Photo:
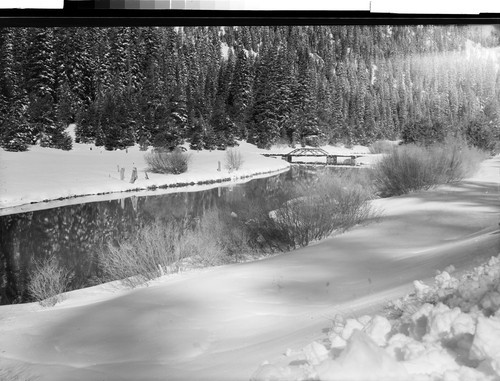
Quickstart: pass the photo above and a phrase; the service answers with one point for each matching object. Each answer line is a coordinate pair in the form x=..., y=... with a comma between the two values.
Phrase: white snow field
x=221, y=323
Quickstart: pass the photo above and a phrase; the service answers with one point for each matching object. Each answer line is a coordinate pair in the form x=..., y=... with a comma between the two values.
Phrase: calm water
x=76, y=234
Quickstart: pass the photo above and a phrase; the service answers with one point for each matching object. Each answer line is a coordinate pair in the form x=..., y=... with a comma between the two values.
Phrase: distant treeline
x=212, y=85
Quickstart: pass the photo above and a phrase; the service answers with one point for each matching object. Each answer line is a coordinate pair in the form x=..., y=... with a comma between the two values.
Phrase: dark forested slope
x=213, y=85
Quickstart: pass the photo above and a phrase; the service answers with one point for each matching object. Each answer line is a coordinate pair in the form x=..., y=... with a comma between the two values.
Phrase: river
x=76, y=234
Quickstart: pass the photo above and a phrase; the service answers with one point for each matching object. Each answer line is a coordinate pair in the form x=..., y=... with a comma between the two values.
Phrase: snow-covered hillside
x=221, y=323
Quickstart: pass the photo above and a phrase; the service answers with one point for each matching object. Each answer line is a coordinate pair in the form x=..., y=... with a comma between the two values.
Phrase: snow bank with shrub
x=46, y=174
x=449, y=330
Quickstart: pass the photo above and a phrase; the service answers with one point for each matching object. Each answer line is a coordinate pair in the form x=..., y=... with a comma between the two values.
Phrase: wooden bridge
x=316, y=152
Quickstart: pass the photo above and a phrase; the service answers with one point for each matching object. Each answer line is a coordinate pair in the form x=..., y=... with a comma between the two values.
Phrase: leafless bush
x=330, y=204
x=234, y=160
x=410, y=167
x=160, y=161
x=143, y=257
x=157, y=248
x=48, y=281
x=215, y=240
x=311, y=212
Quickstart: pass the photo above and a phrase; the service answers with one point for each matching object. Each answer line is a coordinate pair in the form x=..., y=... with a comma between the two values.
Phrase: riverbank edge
x=235, y=179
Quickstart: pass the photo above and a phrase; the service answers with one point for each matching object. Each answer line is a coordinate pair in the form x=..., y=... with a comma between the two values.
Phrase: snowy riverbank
x=45, y=174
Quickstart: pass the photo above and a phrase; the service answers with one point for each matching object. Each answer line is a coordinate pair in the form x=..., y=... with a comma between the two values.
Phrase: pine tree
x=14, y=129
x=223, y=127
x=272, y=100
x=304, y=105
x=149, y=96
x=338, y=120
x=240, y=93
x=40, y=84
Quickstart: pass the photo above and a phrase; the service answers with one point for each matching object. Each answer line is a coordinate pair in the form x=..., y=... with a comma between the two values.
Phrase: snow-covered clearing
x=46, y=174
x=221, y=323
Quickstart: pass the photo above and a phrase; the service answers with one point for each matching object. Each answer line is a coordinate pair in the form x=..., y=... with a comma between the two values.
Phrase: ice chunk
x=441, y=318
x=463, y=323
x=491, y=301
x=413, y=349
x=315, y=353
x=494, y=261
x=365, y=319
x=445, y=284
x=442, y=280
x=396, y=343
x=337, y=342
x=419, y=319
x=473, y=289
x=338, y=324
x=350, y=326
x=378, y=329
x=421, y=289
x=361, y=360
x=486, y=344
x=430, y=359
x=450, y=269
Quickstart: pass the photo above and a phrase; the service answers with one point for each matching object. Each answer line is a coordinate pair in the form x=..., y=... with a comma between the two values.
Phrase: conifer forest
x=211, y=86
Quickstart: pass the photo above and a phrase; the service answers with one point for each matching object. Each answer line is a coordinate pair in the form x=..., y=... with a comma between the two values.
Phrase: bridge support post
x=331, y=159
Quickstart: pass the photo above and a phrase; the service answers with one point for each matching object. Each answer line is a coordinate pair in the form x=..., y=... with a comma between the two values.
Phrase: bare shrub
x=234, y=160
x=202, y=247
x=409, y=168
x=217, y=239
x=160, y=248
x=404, y=170
x=311, y=212
x=454, y=160
x=330, y=204
x=144, y=256
x=161, y=161
x=48, y=280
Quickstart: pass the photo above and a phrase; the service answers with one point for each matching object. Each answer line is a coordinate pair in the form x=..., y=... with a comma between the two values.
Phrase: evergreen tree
x=338, y=120
x=149, y=97
x=15, y=132
x=40, y=84
x=240, y=94
x=305, y=124
x=272, y=99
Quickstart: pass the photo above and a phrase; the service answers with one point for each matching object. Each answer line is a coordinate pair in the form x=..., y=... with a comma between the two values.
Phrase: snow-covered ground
x=221, y=323
x=45, y=174
x=447, y=331
x=48, y=174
